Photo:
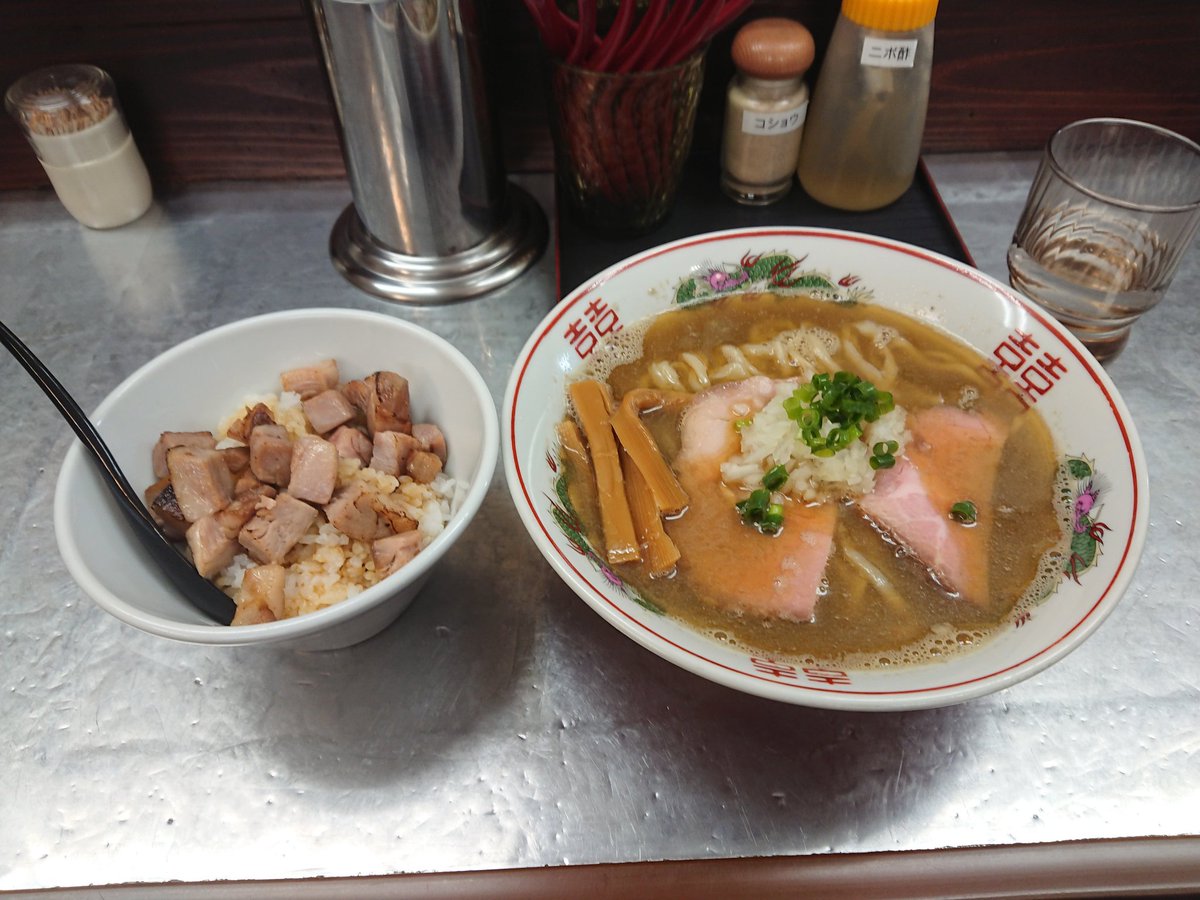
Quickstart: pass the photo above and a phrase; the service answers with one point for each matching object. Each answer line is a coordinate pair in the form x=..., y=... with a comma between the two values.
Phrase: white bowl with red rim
x=1042, y=362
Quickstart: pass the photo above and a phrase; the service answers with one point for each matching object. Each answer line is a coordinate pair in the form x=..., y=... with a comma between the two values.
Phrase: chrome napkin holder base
x=434, y=219
x=502, y=256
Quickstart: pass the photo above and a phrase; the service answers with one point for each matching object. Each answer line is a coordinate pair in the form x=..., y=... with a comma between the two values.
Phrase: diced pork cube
x=391, y=514
x=327, y=410
x=164, y=509
x=308, y=381
x=358, y=393
x=213, y=539
x=203, y=483
x=431, y=439
x=393, y=552
x=246, y=481
x=352, y=444
x=314, y=469
x=242, y=508
x=262, y=587
x=212, y=549
x=390, y=451
x=276, y=528
x=237, y=458
x=259, y=414
x=424, y=466
x=353, y=513
x=271, y=454
x=383, y=399
x=252, y=614
x=169, y=439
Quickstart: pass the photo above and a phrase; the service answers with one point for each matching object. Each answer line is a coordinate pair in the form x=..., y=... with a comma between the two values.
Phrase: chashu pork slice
x=171, y=439
x=261, y=597
x=308, y=381
x=327, y=410
x=276, y=528
x=352, y=444
x=352, y=512
x=953, y=456
x=202, y=482
x=314, y=469
x=383, y=398
x=431, y=439
x=395, y=551
x=271, y=454
x=391, y=450
x=743, y=570
x=213, y=539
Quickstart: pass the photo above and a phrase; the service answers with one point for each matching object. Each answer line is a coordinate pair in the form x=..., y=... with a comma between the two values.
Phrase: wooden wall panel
x=233, y=90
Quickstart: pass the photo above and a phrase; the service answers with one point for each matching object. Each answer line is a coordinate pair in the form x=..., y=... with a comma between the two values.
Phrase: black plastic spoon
x=202, y=594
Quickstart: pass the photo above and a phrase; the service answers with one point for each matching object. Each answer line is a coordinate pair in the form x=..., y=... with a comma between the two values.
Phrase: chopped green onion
x=740, y=424
x=753, y=507
x=843, y=400
x=775, y=478
x=964, y=511
x=883, y=454
x=759, y=511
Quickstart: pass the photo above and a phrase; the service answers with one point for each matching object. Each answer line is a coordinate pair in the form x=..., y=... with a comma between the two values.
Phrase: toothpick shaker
x=71, y=117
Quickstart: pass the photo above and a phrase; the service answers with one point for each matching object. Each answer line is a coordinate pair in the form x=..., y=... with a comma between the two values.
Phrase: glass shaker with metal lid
x=765, y=110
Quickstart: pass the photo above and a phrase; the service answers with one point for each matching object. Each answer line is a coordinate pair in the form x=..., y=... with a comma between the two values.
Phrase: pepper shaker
x=765, y=108
x=71, y=118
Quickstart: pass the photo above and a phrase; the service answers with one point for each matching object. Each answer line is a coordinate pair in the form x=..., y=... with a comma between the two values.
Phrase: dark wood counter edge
x=1167, y=866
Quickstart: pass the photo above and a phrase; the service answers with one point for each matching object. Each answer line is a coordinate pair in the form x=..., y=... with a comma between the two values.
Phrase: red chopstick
x=601, y=60
x=587, y=32
x=668, y=32
x=658, y=49
x=641, y=36
x=730, y=12
x=691, y=32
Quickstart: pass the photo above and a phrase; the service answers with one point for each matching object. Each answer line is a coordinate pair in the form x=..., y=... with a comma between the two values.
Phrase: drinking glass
x=621, y=140
x=1112, y=209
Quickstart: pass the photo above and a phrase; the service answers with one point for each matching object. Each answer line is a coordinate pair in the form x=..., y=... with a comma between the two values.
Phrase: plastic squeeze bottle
x=765, y=108
x=863, y=136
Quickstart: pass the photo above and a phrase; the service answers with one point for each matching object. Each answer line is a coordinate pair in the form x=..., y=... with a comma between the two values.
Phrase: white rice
x=772, y=439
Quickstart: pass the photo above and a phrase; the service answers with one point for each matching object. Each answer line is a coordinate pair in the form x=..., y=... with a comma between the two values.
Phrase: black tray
x=918, y=217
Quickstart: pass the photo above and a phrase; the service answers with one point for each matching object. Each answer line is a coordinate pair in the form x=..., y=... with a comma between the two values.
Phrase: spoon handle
x=200, y=591
x=76, y=418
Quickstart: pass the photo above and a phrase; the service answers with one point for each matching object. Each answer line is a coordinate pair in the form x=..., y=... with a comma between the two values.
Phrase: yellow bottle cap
x=890, y=15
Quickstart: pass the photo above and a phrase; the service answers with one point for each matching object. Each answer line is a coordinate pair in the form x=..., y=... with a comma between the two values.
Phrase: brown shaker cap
x=773, y=48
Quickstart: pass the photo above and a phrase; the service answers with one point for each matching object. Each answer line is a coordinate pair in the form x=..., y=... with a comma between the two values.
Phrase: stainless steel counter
x=500, y=723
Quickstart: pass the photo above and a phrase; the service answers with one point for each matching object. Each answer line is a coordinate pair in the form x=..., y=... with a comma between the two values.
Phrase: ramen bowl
x=1102, y=480
x=200, y=382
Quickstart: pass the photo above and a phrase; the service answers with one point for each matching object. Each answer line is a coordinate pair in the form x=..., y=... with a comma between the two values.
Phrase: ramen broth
x=854, y=622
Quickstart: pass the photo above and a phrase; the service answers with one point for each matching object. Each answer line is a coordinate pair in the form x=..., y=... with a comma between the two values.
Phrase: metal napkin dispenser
x=433, y=219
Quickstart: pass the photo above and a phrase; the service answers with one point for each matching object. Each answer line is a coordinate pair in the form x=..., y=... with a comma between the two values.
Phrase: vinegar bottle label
x=888, y=54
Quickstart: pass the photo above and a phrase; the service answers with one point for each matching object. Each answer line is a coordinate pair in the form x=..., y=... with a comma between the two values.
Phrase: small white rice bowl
x=195, y=386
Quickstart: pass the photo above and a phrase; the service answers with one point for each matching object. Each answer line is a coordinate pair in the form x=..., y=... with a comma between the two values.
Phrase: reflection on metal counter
x=433, y=218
